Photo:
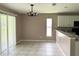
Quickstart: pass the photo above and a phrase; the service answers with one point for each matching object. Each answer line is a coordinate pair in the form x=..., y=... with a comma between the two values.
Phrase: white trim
x=36, y=40
x=33, y=40
x=60, y=49
x=18, y=42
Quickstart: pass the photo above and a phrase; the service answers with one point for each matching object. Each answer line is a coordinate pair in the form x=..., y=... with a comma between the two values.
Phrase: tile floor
x=26, y=48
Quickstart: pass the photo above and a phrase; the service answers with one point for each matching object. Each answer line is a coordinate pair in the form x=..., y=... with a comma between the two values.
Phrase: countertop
x=70, y=34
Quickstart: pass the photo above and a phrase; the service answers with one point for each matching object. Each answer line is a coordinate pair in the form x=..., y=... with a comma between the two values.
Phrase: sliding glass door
x=7, y=32
x=3, y=32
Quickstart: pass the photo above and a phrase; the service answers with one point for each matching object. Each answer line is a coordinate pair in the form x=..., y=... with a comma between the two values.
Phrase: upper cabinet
x=66, y=21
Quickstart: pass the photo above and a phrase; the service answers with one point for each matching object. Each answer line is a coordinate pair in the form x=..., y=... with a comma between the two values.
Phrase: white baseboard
x=18, y=42
x=60, y=49
x=36, y=40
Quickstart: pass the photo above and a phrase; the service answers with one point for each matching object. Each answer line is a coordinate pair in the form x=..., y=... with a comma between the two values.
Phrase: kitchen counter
x=70, y=34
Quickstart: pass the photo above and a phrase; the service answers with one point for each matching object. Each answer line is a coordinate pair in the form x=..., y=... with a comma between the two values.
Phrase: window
x=49, y=27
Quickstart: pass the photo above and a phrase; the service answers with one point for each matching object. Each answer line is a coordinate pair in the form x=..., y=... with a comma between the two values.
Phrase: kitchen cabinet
x=66, y=20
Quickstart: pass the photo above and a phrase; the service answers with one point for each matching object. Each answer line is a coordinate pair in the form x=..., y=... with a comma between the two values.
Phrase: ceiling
x=23, y=8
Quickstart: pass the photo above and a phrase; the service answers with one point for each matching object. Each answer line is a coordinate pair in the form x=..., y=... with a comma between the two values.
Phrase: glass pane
x=11, y=31
x=49, y=27
x=3, y=32
x=14, y=29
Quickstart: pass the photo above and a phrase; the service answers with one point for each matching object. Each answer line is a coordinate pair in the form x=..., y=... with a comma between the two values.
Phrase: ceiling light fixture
x=53, y=4
x=32, y=13
x=65, y=7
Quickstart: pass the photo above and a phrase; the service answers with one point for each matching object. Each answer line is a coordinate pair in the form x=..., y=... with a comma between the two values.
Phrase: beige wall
x=18, y=28
x=34, y=28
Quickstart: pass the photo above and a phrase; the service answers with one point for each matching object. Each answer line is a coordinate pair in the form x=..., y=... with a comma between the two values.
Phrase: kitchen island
x=68, y=43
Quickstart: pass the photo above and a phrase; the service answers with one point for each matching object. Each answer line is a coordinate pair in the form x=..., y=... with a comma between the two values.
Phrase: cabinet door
x=11, y=31
x=65, y=21
x=3, y=31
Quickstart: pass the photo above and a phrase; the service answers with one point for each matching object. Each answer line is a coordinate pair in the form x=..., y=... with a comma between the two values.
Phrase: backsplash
x=67, y=29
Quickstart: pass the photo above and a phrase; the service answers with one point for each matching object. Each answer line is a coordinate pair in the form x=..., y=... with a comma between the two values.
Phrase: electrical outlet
x=40, y=36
